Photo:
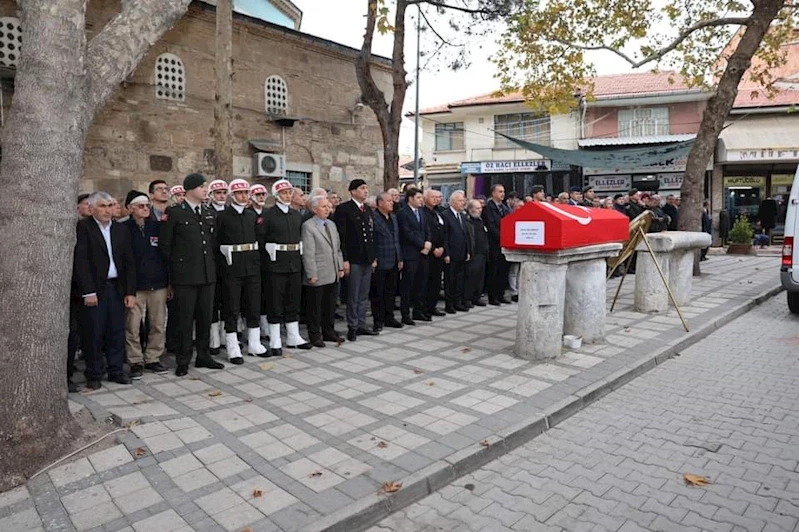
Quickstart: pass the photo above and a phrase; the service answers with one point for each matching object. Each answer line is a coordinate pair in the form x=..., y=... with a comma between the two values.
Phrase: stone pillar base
x=586, y=300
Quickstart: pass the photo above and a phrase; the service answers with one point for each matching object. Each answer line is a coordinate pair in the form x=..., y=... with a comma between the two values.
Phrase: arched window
x=170, y=78
x=277, y=95
x=10, y=41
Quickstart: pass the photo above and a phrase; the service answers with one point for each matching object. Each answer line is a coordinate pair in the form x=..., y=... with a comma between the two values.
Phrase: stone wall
x=137, y=138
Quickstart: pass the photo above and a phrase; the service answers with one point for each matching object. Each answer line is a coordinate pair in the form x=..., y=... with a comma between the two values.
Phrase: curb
x=369, y=510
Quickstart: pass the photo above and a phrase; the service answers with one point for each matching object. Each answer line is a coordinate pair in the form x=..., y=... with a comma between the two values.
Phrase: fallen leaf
x=248, y=529
x=466, y=349
x=133, y=423
x=215, y=393
x=430, y=383
x=248, y=400
x=695, y=480
x=266, y=366
x=139, y=451
x=287, y=355
x=382, y=445
x=391, y=486
x=485, y=443
x=418, y=371
x=338, y=344
x=316, y=474
x=257, y=493
x=194, y=378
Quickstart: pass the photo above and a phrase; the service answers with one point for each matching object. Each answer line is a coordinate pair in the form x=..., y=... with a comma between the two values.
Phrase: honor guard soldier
x=187, y=245
x=177, y=194
x=283, y=257
x=217, y=194
x=257, y=201
x=241, y=271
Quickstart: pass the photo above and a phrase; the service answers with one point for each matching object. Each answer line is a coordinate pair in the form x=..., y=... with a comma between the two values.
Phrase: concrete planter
x=739, y=249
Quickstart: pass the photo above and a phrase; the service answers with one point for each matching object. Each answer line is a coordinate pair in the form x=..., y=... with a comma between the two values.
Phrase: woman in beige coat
x=323, y=266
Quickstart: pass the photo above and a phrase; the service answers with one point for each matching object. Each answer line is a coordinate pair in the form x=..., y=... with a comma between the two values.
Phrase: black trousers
x=475, y=278
x=384, y=288
x=412, y=286
x=320, y=311
x=264, y=287
x=498, y=269
x=172, y=328
x=219, y=297
x=241, y=295
x=103, y=327
x=454, y=282
x=73, y=340
x=194, y=306
x=283, y=298
x=435, y=267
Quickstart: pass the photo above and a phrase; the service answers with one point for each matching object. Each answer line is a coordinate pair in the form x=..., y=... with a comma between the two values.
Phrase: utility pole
x=223, y=99
x=416, y=113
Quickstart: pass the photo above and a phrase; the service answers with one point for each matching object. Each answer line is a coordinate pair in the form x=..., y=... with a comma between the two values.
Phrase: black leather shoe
x=504, y=300
x=408, y=321
x=120, y=379
x=182, y=371
x=93, y=384
x=72, y=387
x=306, y=345
x=333, y=337
x=450, y=310
x=318, y=343
x=436, y=312
x=271, y=353
x=394, y=324
x=352, y=335
x=214, y=350
x=469, y=305
x=208, y=363
x=365, y=331
x=479, y=303
x=461, y=308
x=494, y=302
x=377, y=328
x=156, y=367
x=515, y=299
x=238, y=361
x=422, y=317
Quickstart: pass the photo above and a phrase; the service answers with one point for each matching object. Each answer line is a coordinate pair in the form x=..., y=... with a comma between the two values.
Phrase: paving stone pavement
x=284, y=444
x=727, y=408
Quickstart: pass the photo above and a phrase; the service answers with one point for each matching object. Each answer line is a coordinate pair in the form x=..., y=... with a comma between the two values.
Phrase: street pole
x=416, y=113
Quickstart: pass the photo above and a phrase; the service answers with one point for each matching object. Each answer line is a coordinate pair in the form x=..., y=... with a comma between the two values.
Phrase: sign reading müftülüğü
x=745, y=181
x=529, y=233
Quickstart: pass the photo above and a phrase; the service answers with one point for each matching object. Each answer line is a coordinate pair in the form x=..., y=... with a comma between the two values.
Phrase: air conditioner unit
x=268, y=165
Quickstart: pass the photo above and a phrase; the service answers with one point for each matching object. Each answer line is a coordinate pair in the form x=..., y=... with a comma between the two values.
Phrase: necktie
x=460, y=219
x=197, y=210
x=327, y=230
x=418, y=218
x=363, y=209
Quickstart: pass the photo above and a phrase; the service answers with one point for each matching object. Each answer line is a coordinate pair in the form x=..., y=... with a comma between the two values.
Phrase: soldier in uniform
x=257, y=201
x=217, y=195
x=177, y=194
x=283, y=256
x=241, y=271
x=187, y=245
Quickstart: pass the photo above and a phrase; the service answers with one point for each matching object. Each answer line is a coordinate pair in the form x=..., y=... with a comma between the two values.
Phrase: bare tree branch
x=442, y=39
x=724, y=21
x=462, y=9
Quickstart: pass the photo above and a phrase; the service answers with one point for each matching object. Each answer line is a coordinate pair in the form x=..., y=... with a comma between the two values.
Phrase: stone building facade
x=163, y=130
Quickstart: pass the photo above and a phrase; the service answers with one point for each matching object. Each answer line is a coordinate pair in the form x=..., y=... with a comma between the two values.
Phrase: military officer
x=257, y=201
x=241, y=271
x=187, y=245
x=217, y=196
x=282, y=253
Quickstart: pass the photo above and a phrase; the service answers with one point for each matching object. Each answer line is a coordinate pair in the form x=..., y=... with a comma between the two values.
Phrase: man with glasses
x=159, y=198
x=152, y=289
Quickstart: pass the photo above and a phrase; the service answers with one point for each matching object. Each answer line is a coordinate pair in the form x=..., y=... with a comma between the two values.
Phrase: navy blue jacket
x=412, y=234
x=151, y=270
x=387, y=246
x=457, y=242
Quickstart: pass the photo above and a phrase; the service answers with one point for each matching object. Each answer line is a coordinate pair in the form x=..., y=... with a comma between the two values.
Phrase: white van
x=789, y=271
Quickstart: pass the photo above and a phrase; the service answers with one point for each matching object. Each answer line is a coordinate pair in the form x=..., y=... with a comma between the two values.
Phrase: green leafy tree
x=710, y=43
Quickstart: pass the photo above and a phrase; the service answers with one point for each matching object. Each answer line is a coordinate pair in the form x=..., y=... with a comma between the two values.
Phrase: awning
x=760, y=139
x=631, y=141
x=265, y=145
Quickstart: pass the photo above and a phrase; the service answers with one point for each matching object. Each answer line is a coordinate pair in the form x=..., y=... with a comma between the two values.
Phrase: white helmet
x=257, y=188
x=282, y=184
x=238, y=185
x=217, y=184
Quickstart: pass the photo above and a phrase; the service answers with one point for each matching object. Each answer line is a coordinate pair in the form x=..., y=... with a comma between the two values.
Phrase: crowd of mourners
x=213, y=267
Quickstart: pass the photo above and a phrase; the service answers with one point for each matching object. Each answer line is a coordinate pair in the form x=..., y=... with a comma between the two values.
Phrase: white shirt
x=112, y=267
x=193, y=206
x=282, y=207
x=239, y=208
x=358, y=203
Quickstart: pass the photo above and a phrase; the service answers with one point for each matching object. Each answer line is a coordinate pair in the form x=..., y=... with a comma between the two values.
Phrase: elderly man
x=672, y=211
x=389, y=263
x=395, y=199
x=476, y=266
x=634, y=205
x=334, y=199
x=323, y=265
x=458, y=252
x=106, y=280
x=435, y=261
x=298, y=201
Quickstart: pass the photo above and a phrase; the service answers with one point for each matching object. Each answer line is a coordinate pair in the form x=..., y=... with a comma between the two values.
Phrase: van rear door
x=791, y=222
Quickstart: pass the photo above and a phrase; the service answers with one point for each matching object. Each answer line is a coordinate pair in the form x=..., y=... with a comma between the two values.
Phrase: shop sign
x=745, y=181
x=668, y=165
x=670, y=181
x=610, y=183
x=781, y=180
x=763, y=154
x=503, y=167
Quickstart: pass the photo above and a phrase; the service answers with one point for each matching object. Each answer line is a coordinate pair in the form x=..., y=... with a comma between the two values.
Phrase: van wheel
x=793, y=302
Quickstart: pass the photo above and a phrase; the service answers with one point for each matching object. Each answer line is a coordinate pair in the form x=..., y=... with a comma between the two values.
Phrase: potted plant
x=740, y=237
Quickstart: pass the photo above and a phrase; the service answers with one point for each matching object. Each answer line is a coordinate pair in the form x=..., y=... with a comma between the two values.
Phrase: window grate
x=10, y=41
x=277, y=95
x=299, y=179
x=644, y=122
x=170, y=78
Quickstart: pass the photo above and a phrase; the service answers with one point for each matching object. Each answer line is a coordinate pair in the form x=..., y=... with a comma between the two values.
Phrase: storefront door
x=742, y=195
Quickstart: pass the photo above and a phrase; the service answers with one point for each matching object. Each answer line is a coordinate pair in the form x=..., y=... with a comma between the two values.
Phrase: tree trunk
x=389, y=116
x=223, y=102
x=717, y=110
x=60, y=84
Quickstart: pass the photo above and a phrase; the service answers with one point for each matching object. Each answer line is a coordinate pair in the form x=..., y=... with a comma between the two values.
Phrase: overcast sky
x=343, y=21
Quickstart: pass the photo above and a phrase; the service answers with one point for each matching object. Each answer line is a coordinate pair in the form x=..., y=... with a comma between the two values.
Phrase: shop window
x=170, y=78
x=449, y=137
x=531, y=127
x=299, y=179
x=10, y=41
x=644, y=122
x=277, y=95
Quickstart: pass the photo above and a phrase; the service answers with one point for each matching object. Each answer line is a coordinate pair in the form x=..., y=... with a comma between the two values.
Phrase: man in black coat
x=356, y=230
x=241, y=271
x=389, y=263
x=476, y=265
x=415, y=243
x=497, y=267
x=106, y=280
x=672, y=211
x=187, y=245
x=75, y=304
x=458, y=253
x=435, y=259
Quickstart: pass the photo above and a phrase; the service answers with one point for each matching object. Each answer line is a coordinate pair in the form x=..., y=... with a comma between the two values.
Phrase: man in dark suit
x=75, y=305
x=187, y=245
x=458, y=252
x=106, y=280
x=671, y=210
x=435, y=259
x=389, y=263
x=497, y=267
x=415, y=243
x=356, y=230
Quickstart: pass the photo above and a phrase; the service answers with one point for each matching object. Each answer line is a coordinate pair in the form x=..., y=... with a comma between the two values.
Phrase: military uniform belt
x=244, y=247
x=286, y=247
